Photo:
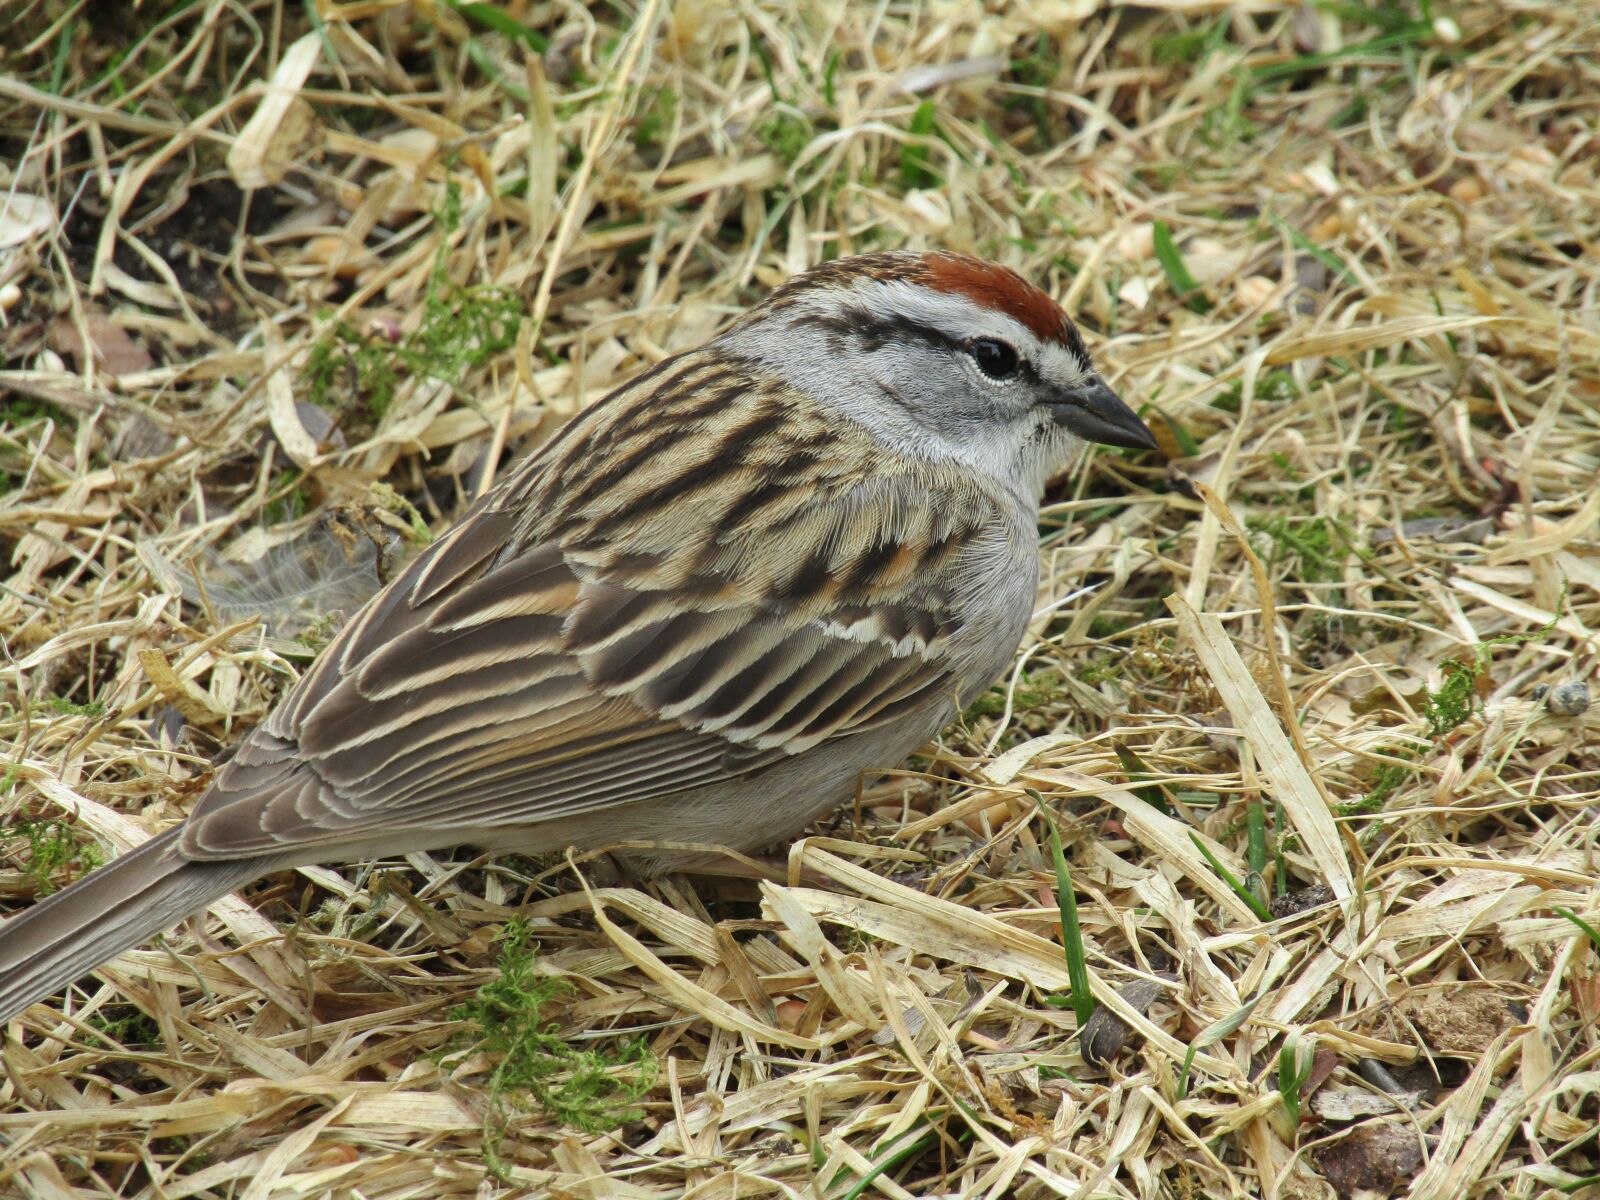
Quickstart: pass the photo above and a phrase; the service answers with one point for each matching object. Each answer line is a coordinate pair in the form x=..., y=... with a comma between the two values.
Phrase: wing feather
x=546, y=659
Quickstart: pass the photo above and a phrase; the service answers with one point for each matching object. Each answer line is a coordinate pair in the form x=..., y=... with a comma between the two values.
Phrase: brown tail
x=111, y=910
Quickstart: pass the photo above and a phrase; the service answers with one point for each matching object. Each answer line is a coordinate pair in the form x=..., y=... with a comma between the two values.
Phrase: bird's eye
x=994, y=358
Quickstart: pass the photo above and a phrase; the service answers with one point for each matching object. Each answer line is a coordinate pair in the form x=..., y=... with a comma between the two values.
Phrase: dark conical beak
x=1095, y=413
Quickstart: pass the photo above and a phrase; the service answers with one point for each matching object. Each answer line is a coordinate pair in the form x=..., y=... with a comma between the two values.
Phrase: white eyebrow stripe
x=956, y=316
x=962, y=318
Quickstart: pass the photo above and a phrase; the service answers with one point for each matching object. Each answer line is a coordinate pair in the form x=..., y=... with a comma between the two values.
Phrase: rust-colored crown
x=983, y=282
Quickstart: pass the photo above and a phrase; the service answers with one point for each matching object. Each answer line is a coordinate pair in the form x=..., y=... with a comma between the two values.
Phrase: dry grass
x=1386, y=377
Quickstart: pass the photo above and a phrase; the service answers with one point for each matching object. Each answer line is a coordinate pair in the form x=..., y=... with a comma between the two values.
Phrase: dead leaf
x=1380, y=1158
x=115, y=352
x=1353, y=1104
x=1105, y=1033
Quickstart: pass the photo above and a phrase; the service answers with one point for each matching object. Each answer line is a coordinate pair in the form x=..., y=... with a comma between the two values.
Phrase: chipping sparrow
x=759, y=569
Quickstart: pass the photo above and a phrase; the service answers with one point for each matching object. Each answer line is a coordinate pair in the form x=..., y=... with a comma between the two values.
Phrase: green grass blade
x=1177, y=271
x=1408, y=35
x=1213, y=1033
x=1256, y=838
x=1592, y=933
x=892, y=1160
x=1188, y=444
x=495, y=19
x=1294, y=1068
x=914, y=169
x=1082, y=998
x=1232, y=880
x=1153, y=794
x=1327, y=258
x=1183, y=1074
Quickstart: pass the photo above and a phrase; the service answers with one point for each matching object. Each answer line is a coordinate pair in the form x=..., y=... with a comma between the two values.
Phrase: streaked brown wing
x=529, y=669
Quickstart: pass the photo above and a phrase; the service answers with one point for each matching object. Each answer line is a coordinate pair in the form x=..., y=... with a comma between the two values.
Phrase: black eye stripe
x=856, y=327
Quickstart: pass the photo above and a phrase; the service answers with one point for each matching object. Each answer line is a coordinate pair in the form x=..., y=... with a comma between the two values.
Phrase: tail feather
x=124, y=903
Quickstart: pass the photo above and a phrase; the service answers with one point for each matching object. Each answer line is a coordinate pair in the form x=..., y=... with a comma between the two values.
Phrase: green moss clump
x=55, y=847
x=592, y=1090
x=461, y=328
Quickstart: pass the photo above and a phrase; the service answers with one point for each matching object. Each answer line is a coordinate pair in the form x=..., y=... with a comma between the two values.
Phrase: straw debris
x=284, y=286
